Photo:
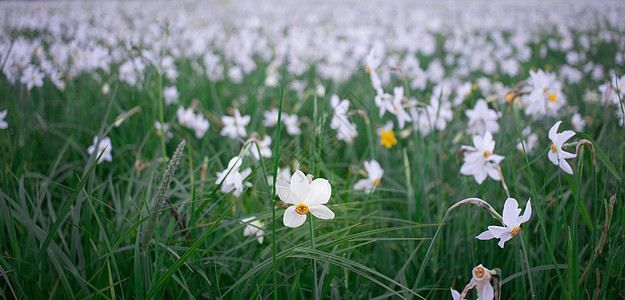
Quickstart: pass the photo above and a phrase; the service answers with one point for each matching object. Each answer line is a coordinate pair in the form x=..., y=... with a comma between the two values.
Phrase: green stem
x=312, y=246
x=527, y=265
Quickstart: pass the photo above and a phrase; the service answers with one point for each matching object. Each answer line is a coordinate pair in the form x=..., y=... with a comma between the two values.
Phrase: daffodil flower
x=556, y=155
x=307, y=196
x=480, y=161
x=512, y=222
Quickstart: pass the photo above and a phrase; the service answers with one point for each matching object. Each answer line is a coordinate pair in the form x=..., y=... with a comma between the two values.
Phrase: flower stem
x=312, y=246
x=527, y=266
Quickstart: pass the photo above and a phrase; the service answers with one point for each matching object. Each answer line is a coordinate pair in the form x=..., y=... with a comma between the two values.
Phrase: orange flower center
x=487, y=154
x=479, y=272
x=553, y=148
x=368, y=70
x=301, y=209
x=515, y=231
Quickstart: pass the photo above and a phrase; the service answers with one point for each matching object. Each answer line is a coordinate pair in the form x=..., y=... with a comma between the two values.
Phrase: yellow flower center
x=479, y=272
x=510, y=97
x=553, y=148
x=548, y=67
x=487, y=154
x=301, y=209
x=474, y=86
x=552, y=97
x=388, y=139
x=515, y=231
x=544, y=90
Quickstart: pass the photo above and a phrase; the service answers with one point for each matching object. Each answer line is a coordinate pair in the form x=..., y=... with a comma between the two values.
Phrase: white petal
x=293, y=219
x=486, y=235
x=455, y=294
x=498, y=231
x=565, y=166
x=511, y=212
x=553, y=131
x=320, y=191
x=504, y=238
x=299, y=187
x=553, y=157
x=485, y=291
x=566, y=135
x=284, y=189
x=527, y=214
x=321, y=212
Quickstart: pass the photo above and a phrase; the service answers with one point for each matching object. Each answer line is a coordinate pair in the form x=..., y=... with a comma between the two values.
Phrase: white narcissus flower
x=254, y=227
x=480, y=161
x=235, y=126
x=397, y=107
x=512, y=222
x=375, y=172
x=307, y=196
x=482, y=118
x=233, y=178
x=32, y=76
x=262, y=146
x=188, y=119
x=556, y=155
x=3, y=123
x=104, y=147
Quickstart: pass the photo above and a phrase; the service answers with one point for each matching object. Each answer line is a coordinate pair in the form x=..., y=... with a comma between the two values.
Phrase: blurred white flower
x=254, y=227
x=104, y=148
x=529, y=142
x=479, y=161
x=307, y=196
x=235, y=126
x=546, y=97
x=511, y=220
x=271, y=117
x=374, y=173
x=3, y=123
x=397, y=107
x=482, y=118
x=31, y=77
x=612, y=92
x=232, y=178
x=170, y=94
x=265, y=148
x=290, y=121
x=162, y=129
x=578, y=122
x=188, y=119
x=556, y=155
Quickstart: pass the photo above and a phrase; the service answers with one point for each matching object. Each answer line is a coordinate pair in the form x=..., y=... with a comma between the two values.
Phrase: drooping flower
x=374, y=173
x=307, y=196
x=387, y=135
x=104, y=147
x=481, y=278
x=479, y=161
x=511, y=220
x=235, y=126
x=254, y=227
x=3, y=123
x=232, y=178
x=397, y=107
x=482, y=118
x=556, y=155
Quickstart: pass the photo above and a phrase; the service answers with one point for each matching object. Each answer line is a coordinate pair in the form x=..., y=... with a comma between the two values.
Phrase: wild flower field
x=316, y=150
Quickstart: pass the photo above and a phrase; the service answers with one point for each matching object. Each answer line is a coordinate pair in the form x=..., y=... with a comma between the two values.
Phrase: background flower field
x=147, y=149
